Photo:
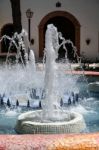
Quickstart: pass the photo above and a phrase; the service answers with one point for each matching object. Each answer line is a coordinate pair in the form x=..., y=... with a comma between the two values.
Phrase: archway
x=66, y=23
x=7, y=29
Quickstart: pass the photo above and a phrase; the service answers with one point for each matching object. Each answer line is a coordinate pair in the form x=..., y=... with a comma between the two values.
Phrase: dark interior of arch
x=7, y=29
x=67, y=28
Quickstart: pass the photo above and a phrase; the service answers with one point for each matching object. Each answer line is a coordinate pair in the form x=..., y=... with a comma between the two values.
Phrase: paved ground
x=50, y=142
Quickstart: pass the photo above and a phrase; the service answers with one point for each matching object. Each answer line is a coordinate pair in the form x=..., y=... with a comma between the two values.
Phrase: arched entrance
x=66, y=23
x=7, y=29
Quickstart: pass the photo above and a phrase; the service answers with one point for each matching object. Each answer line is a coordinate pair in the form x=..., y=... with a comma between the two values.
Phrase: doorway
x=67, y=24
x=7, y=29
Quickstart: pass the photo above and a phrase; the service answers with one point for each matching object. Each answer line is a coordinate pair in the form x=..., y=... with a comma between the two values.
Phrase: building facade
x=78, y=20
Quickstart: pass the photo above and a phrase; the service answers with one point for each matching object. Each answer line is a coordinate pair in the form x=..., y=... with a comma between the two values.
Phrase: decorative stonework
x=60, y=14
x=27, y=124
x=58, y=4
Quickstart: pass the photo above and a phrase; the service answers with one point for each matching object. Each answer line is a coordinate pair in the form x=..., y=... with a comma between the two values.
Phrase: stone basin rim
x=75, y=117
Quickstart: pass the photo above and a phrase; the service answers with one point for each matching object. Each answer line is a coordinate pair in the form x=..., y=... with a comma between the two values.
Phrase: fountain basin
x=93, y=87
x=26, y=124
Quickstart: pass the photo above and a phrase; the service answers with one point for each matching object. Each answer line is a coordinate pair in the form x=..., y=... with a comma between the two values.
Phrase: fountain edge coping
x=87, y=73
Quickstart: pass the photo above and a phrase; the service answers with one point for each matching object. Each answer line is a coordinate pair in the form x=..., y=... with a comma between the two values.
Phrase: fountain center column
x=50, y=103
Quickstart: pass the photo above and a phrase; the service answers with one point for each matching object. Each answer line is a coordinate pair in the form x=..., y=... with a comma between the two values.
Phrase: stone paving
x=50, y=142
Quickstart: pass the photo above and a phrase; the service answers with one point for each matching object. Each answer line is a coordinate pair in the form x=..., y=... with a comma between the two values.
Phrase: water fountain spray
x=51, y=119
x=23, y=51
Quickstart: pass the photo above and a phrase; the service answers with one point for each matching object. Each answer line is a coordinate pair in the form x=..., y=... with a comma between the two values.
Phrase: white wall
x=85, y=11
x=5, y=12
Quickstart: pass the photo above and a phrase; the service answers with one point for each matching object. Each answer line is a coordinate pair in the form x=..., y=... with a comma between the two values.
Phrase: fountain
x=51, y=118
x=23, y=84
